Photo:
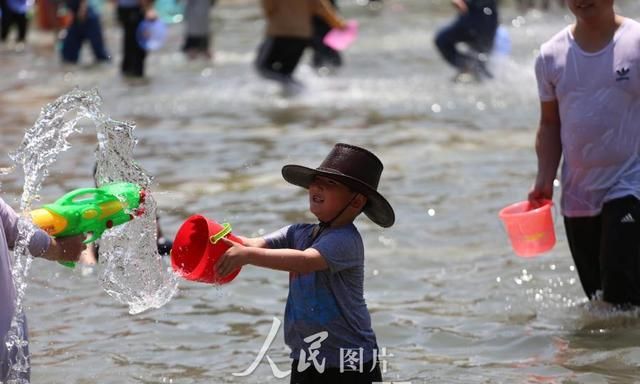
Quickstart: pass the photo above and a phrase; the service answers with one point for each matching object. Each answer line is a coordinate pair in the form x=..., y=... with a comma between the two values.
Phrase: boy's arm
x=325, y=10
x=284, y=259
x=258, y=242
x=549, y=151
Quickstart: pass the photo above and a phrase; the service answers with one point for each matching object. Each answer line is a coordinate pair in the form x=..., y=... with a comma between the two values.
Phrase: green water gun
x=90, y=210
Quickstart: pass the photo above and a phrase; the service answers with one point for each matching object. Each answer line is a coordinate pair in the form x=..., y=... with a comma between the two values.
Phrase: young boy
x=326, y=303
x=289, y=32
x=41, y=245
x=589, y=86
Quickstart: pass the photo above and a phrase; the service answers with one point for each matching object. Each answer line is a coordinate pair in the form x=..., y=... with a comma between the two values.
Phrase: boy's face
x=589, y=9
x=328, y=197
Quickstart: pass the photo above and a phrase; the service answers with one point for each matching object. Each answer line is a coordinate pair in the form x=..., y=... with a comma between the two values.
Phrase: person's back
x=289, y=18
x=288, y=33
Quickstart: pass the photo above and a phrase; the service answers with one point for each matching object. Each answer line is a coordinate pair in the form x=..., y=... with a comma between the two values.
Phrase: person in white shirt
x=589, y=87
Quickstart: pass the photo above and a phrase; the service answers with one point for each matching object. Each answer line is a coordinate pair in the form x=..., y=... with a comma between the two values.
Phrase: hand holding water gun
x=90, y=210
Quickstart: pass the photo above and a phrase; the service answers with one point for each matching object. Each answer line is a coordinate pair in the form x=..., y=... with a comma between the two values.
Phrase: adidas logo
x=628, y=219
x=623, y=74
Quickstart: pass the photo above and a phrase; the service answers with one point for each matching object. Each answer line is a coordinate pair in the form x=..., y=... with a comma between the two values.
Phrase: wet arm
x=282, y=259
x=325, y=10
x=548, y=148
x=291, y=260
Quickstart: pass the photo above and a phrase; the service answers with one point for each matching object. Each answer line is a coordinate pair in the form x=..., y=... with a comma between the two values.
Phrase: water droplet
x=206, y=72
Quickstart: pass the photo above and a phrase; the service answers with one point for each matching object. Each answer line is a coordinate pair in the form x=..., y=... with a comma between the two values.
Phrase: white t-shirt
x=599, y=101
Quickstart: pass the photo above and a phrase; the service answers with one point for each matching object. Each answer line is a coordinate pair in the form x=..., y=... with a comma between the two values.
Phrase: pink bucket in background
x=530, y=229
x=340, y=39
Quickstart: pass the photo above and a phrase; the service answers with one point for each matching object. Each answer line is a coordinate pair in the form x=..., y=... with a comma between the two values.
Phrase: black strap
x=322, y=225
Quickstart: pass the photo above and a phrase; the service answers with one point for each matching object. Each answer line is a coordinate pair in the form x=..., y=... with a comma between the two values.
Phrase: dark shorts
x=334, y=376
x=606, y=251
x=278, y=57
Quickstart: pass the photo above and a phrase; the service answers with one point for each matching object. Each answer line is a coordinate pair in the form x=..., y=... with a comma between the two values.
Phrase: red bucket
x=196, y=249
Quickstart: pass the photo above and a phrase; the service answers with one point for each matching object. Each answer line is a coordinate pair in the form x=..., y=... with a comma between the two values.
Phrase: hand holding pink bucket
x=340, y=39
x=197, y=247
x=530, y=228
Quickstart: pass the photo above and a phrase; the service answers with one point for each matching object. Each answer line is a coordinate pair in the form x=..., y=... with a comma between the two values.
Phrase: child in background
x=325, y=262
x=14, y=12
x=85, y=25
x=197, y=30
x=288, y=33
x=130, y=14
x=41, y=246
x=589, y=86
x=476, y=26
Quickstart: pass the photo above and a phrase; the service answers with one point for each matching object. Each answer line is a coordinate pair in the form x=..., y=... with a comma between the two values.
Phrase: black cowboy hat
x=354, y=167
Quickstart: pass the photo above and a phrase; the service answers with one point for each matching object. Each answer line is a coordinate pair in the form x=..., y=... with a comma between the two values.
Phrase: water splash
x=133, y=272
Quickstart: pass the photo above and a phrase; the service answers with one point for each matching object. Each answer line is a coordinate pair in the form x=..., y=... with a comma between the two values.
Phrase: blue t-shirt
x=329, y=301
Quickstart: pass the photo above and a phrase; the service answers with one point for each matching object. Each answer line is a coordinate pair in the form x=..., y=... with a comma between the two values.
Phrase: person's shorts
x=606, y=251
x=369, y=374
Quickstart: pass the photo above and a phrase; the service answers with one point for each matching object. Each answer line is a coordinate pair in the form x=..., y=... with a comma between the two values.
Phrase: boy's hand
x=65, y=248
x=234, y=258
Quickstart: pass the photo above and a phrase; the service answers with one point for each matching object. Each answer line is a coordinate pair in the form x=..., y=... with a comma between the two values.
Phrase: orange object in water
x=196, y=248
x=51, y=16
x=530, y=229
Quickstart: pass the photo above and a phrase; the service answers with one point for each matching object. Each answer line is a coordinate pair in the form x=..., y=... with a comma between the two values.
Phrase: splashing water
x=133, y=272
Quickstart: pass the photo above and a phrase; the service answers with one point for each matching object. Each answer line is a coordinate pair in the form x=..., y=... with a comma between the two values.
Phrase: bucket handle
x=226, y=229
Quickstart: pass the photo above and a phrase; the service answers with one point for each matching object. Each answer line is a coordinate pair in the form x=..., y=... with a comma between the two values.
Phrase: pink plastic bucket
x=530, y=229
x=196, y=249
x=340, y=39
